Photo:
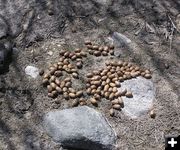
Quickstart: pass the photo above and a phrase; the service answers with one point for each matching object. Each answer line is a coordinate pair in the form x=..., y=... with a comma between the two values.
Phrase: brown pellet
x=77, y=50
x=41, y=72
x=106, y=48
x=83, y=103
x=106, y=94
x=89, y=75
x=62, y=52
x=74, y=70
x=50, y=95
x=110, y=89
x=106, y=87
x=116, y=106
x=111, y=96
x=65, y=89
x=75, y=103
x=95, y=47
x=71, y=54
x=152, y=114
x=71, y=90
x=50, y=89
x=68, y=84
x=112, y=84
x=93, y=91
x=93, y=101
x=82, y=100
x=75, y=75
x=58, y=73
x=79, y=65
x=62, y=84
x=97, y=53
x=66, y=54
x=111, y=52
x=147, y=71
x=117, y=94
x=89, y=46
x=111, y=112
x=97, y=97
x=87, y=42
x=73, y=57
x=53, y=85
x=78, y=55
x=108, y=80
x=45, y=82
x=97, y=77
x=114, y=89
x=79, y=93
x=148, y=76
x=47, y=75
x=116, y=101
x=129, y=94
x=123, y=92
x=117, y=83
x=111, y=46
x=88, y=91
x=104, y=53
x=52, y=79
x=101, y=49
x=54, y=93
x=72, y=95
x=120, y=101
x=68, y=79
x=52, y=71
x=59, y=90
x=96, y=83
x=66, y=95
x=96, y=72
x=83, y=54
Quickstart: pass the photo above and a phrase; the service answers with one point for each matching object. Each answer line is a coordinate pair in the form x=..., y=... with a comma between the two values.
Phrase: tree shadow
x=5, y=133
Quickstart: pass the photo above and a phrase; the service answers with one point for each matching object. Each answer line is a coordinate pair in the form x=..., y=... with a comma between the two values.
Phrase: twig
x=172, y=23
x=172, y=33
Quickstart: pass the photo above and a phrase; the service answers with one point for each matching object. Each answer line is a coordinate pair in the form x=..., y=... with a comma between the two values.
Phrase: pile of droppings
x=100, y=84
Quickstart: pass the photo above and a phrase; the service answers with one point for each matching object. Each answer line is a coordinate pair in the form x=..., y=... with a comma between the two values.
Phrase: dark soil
x=39, y=26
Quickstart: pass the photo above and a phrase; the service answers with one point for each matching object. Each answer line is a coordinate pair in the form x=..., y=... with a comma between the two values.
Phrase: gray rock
x=32, y=71
x=80, y=128
x=121, y=39
x=143, y=95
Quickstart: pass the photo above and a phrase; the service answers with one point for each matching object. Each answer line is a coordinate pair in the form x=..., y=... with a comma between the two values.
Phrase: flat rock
x=80, y=128
x=121, y=39
x=32, y=71
x=143, y=95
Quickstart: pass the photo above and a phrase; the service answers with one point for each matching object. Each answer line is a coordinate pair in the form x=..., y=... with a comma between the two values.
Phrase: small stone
x=32, y=71
x=50, y=53
x=121, y=39
x=166, y=65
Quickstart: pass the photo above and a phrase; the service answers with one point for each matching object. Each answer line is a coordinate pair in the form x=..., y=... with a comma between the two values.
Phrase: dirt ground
x=149, y=24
